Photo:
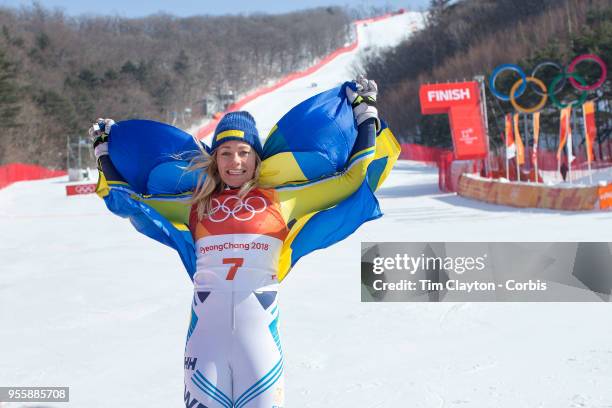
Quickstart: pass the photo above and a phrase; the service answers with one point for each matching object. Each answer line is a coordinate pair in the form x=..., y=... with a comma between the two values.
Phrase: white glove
x=99, y=133
x=363, y=100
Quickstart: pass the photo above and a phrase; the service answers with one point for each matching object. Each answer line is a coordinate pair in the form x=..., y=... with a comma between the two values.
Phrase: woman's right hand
x=98, y=133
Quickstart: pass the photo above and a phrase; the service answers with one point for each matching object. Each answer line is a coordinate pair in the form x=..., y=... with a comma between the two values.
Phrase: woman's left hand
x=363, y=99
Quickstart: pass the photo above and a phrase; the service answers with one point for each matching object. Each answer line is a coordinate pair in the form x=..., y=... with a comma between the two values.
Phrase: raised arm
x=175, y=208
x=300, y=199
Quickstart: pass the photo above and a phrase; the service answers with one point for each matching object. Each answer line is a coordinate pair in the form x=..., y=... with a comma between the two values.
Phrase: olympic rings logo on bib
x=242, y=210
x=556, y=85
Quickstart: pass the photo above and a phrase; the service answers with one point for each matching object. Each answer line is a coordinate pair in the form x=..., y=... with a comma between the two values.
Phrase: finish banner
x=461, y=101
x=486, y=271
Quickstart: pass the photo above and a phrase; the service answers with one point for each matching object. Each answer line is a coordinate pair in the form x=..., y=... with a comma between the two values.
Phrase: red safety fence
x=210, y=126
x=450, y=169
x=547, y=161
x=13, y=172
x=426, y=154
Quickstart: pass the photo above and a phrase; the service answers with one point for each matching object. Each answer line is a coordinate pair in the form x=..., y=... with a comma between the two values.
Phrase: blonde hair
x=210, y=183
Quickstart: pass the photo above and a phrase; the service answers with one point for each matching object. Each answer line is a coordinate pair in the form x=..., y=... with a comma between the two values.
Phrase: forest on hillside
x=58, y=73
x=471, y=37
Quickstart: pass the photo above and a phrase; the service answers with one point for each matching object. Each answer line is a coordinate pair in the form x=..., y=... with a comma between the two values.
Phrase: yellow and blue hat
x=239, y=126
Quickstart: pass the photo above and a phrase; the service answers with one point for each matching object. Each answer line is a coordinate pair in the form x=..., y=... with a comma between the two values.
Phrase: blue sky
x=194, y=7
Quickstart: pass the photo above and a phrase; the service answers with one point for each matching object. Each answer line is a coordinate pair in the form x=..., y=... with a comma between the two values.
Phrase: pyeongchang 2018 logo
x=449, y=95
x=467, y=136
x=237, y=208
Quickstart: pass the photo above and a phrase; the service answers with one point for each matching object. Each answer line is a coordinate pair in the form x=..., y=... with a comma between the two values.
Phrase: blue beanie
x=239, y=126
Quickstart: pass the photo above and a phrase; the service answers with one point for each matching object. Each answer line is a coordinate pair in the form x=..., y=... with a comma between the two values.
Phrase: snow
x=87, y=302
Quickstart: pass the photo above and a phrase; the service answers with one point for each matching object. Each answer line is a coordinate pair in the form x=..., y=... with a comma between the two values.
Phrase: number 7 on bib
x=236, y=263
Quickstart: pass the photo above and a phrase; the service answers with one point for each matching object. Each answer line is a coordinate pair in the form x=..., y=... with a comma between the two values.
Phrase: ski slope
x=87, y=302
x=269, y=108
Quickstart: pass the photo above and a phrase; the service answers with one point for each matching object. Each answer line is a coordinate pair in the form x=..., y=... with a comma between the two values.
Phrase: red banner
x=564, y=124
x=536, y=136
x=76, y=189
x=461, y=101
x=520, y=149
x=590, y=128
x=438, y=98
x=509, y=133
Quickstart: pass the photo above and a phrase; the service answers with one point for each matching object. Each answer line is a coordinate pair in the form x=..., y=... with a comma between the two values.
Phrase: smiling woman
x=236, y=162
x=242, y=228
x=237, y=343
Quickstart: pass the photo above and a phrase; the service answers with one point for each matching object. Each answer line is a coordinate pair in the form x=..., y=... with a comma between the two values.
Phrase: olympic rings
x=555, y=87
x=499, y=70
x=85, y=189
x=588, y=57
x=235, y=212
x=572, y=76
x=540, y=104
x=548, y=64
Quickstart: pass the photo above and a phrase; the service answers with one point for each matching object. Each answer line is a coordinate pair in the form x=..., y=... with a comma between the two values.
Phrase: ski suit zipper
x=233, y=313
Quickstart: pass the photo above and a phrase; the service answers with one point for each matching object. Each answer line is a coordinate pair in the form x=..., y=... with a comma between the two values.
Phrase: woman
x=233, y=355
